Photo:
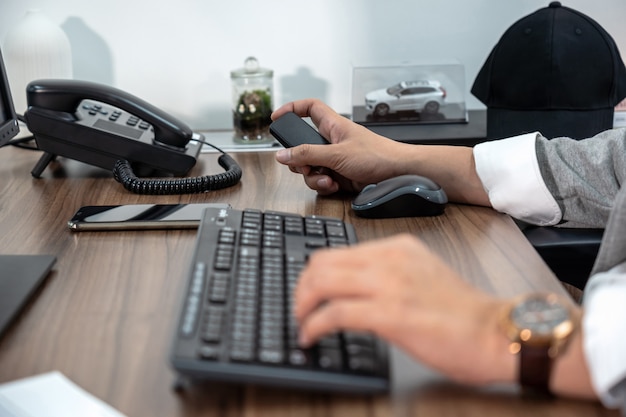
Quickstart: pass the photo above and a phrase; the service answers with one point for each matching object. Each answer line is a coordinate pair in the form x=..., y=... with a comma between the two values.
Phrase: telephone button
x=115, y=115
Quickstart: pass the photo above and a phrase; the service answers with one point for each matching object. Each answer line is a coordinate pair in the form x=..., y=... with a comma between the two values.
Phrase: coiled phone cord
x=124, y=174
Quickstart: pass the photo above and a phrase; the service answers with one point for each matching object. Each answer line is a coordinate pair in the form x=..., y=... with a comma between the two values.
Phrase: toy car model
x=425, y=96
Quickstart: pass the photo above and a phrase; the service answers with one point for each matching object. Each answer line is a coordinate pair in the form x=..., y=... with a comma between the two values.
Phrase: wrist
x=570, y=373
x=452, y=167
x=403, y=158
x=539, y=328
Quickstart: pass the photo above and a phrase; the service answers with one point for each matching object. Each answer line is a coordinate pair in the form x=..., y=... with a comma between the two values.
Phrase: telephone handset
x=114, y=130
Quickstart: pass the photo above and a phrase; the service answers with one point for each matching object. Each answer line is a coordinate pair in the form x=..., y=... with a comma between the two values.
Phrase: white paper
x=50, y=395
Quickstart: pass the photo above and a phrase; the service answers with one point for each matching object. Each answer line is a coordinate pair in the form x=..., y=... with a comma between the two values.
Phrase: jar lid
x=250, y=69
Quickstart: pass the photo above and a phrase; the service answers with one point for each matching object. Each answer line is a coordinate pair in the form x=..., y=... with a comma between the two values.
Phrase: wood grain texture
x=106, y=315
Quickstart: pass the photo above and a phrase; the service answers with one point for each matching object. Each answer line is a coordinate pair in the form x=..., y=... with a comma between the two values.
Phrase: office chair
x=570, y=253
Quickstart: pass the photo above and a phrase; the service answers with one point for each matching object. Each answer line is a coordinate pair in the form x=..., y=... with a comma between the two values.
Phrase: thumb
x=302, y=155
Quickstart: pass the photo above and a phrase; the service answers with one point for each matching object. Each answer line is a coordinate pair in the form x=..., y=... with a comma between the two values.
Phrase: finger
x=301, y=107
x=323, y=184
x=345, y=272
x=313, y=108
x=324, y=117
x=306, y=154
x=316, y=178
x=339, y=315
x=319, y=179
x=285, y=108
x=382, y=268
x=300, y=155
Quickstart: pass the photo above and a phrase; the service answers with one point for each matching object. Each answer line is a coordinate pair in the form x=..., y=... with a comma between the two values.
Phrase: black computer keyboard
x=236, y=323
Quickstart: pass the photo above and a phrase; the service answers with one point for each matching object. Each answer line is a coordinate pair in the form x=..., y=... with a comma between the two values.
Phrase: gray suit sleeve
x=584, y=176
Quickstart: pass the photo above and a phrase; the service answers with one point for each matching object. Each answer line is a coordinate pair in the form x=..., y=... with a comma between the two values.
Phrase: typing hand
x=405, y=294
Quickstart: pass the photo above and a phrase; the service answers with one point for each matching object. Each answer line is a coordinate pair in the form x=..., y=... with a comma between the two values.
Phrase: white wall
x=178, y=54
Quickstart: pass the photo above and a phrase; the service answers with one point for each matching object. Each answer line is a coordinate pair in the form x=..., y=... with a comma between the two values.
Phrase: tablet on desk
x=20, y=276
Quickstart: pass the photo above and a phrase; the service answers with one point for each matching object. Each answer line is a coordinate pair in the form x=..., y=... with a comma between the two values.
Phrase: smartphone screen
x=290, y=130
x=140, y=216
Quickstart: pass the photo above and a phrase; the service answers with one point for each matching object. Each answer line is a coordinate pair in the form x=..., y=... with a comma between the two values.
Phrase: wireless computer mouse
x=402, y=196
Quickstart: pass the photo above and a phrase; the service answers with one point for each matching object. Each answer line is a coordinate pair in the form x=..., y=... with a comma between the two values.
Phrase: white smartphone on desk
x=140, y=216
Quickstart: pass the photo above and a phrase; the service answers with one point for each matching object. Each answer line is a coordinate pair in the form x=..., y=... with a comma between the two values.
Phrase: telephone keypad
x=111, y=119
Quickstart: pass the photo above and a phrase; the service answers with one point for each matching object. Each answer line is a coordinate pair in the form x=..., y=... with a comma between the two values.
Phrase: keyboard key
x=330, y=359
x=219, y=288
x=209, y=351
x=362, y=364
x=313, y=243
x=335, y=231
x=271, y=356
x=242, y=354
x=299, y=358
x=227, y=236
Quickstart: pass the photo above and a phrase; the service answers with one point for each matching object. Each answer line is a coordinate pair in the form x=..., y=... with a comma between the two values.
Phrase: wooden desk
x=105, y=317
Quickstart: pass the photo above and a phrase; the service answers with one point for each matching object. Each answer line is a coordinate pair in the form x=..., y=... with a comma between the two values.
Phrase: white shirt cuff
x=604, y=338
x=509, y=171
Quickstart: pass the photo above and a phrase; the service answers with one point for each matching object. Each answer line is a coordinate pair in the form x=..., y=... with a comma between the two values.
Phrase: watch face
x=540, y=316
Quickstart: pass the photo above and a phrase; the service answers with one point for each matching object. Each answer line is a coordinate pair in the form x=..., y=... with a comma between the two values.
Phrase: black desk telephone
x=111, y=129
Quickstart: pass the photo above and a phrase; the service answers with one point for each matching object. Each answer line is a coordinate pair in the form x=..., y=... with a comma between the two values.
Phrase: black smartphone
x=290, y=130
x=140, y=216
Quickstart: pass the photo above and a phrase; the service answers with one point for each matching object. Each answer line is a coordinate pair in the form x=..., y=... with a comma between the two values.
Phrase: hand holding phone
x=290, y=130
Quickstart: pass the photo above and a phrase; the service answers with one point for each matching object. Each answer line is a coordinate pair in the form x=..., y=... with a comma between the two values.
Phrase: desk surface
x=105, y=316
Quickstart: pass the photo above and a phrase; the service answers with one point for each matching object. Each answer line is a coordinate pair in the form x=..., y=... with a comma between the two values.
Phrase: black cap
x=555, y=71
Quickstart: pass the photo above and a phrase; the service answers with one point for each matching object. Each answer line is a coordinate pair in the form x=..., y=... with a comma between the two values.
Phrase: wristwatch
x=539, y=327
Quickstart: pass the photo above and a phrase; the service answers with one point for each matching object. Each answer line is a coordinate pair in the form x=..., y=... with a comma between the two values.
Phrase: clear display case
x=409, y=93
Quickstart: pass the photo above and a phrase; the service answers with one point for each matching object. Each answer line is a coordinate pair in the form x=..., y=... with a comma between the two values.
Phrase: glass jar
x=252, y=101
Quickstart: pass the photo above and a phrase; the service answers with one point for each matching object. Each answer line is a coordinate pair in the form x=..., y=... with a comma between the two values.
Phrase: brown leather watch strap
x=534, y=371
